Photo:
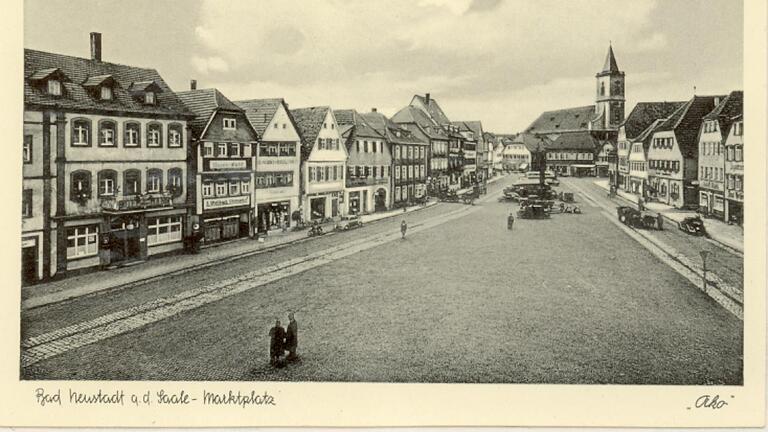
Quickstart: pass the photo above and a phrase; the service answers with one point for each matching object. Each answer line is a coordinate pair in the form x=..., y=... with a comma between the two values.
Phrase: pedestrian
x=640, y=205
x=510, y=221
x=659, y=221
x=292, y=338
x=276, y=344
x=403, y=228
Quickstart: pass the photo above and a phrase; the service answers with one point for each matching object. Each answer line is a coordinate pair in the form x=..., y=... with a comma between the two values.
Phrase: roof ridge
x=92, y=60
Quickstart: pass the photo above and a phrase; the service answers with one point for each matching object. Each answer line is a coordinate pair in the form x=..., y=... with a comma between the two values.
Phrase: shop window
x=175, y=184
x=107, y=130
x=81, y=133
x=27, y=149
x=80, y=188
x=154, y=180
x=82, y=241
x=132, y=135
x=107, y=182
x=26, y=203
x=154, y=135
x=174, y=135
x=163, y=230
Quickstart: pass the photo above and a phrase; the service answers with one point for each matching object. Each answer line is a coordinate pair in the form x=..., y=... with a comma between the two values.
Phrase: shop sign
x=709, y=184
x=215, y=203
x=228, y=164
x=276, y=161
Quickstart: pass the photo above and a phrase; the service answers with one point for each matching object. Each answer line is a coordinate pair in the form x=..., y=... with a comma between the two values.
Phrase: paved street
x=461, y=299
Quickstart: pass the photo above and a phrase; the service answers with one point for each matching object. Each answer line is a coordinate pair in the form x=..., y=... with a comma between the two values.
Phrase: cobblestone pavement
x=461, y=299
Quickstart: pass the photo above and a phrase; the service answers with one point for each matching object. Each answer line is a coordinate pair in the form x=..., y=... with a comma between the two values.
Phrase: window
x=132, y=182
x=174, y=135
x=132, y=135
x=107, y=130
x=107, y=182
x=207, y=189
x=175, y=185
x=26, y=203
x=221, y=188
x=80, y=189
x=230, y=123
x=154, y=181
x=27, y=149
x=738, y=155
x=54, y=87
x=149, y=98
x=81, y=133
x=154, y=135
x=397, y=152
x=82, y=241
x=245, y=185
x=221, y=150
x=738, y=129
x=163, y=230
x=106, y=93
x=234, y=150
x=327, y=173
x=246, y=150
x=207, y=149
x=234, y=187
x=287, y=149
x=275, y=125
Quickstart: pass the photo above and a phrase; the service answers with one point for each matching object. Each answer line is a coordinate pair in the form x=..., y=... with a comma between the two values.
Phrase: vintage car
x=348, y=222
x=533, y=211
x=693, y=225
x=637, y=219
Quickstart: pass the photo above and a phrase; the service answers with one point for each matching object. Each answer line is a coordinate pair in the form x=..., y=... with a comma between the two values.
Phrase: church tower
x=609, y=103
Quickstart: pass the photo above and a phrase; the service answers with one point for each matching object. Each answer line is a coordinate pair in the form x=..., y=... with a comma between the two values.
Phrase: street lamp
x=704, y=255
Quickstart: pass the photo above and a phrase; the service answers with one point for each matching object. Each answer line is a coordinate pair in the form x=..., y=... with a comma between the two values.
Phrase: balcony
x=136, y=203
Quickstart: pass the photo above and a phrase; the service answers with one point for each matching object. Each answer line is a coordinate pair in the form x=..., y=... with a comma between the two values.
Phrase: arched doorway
x=380, y=200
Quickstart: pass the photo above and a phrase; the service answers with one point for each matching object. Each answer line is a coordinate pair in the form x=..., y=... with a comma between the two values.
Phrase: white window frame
x=207, y=189
x=81, y=132
x=153, y=139
x=54, y=87
x=221, y=188
x=88, y=234
x=154, y=182
x=109, y=186
x=132, y=133
x=107, y=136
x=219, y=147
x=173, y=232
x=106, y=93
x=149, y=98
x=27, y=149
x=229, y=123
x=174, y=137
x=233, y=188
x=208, y=149
x=245, y=186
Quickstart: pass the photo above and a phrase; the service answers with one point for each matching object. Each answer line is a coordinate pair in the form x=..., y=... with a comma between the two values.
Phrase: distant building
x=573, y=154
x=734, y=171
x=517, y=152
x=637, y=161
x=711, y=146
x=223, y=158
x=324, y=163
x=369, y=166
x=105, y=164
x=424, y=128
x=278, y=162
x=673, y=154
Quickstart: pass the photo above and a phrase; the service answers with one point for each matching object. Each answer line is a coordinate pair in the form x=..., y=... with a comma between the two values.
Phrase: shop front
x=273, y=216
x=636, y=185
x=324, y=206
x=226, y=218
x=581, y=170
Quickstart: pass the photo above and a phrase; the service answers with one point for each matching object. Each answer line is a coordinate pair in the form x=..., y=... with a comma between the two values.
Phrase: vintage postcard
x=370, y=213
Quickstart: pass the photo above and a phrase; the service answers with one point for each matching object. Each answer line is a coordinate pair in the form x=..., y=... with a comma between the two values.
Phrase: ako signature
x=712, y=402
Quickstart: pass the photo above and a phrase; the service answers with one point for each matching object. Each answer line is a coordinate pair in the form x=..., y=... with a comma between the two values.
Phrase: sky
x=502, y=62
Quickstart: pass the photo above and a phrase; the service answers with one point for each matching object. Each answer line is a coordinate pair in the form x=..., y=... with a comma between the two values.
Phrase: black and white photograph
x=410, y=191
x=320, y=199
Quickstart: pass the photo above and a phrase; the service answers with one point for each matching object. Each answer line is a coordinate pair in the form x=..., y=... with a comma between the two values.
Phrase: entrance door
x=29, y=265
x=317, y=208
x=125, y=244
x=231, y=228
x=381, y=200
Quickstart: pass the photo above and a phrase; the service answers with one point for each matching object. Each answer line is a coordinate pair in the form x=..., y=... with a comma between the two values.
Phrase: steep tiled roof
x=563, y=120
x=204, y=102
x=575, y=141
x=261, y=111
x=393, y=131
x=353, y=118
x=434, y=110
x=531, y=141
x=411, y=114
x=645, y=136
x=729, y=108
x=686, y=121
x=645, y=113
x=309, y=121
x=39, y=65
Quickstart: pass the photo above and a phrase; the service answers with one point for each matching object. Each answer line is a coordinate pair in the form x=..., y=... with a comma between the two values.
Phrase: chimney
x=193, y=84
x=96, y=46
x=373, y=109
x=717, y=100
x=426, y=96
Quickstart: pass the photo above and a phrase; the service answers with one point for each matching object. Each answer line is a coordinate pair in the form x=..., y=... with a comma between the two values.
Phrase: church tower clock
x=609, y=103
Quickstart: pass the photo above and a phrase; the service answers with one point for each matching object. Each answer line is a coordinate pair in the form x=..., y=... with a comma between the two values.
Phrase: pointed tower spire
x=610, y=61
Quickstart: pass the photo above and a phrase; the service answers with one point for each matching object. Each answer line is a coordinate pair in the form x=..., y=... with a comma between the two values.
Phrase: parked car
x=348, y=223
x=693, y=225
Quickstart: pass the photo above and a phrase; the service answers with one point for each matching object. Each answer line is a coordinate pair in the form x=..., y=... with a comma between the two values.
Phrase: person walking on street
x=659, y=221
x=403, y=228
x=276, y=344
x=510, y=221
x=292, y=338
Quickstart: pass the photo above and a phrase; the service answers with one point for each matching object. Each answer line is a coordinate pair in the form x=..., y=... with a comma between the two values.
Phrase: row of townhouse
x=685, y=154
x=118, y=167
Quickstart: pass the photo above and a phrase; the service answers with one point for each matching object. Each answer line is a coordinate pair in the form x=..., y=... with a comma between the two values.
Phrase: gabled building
x=278, y=162
x=734, y=172
x=469, y=151
x=517, y=152
x=573, y=154
x=223, y=148
x=369, y=165
x=105, y=164
x=324, y=163
x=424, y=128
x=637, y=161
x=409, y=158
x=712, y=136
x=673, y=155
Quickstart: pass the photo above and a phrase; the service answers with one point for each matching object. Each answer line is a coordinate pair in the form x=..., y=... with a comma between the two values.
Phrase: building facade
x=324, y=163
x=369, y=165
x=278, y=163
x=573, y=154
x=224, y=155
x=734, y=172
x=105, y=164
x=424, y=128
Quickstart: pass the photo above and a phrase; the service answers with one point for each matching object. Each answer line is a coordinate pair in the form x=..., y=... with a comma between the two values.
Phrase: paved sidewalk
x=93, y=282
x=728, y=235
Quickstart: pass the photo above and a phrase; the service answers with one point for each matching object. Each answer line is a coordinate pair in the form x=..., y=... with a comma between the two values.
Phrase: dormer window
x=149, y=98
x=106, y=93
x=230, y=123
x=54, y=87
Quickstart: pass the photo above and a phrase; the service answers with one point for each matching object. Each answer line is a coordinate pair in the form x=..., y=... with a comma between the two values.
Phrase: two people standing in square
x=282, y=340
